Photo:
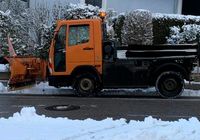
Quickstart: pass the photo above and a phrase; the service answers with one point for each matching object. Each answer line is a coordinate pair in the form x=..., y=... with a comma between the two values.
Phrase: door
x=80, y=47
x=60, y=50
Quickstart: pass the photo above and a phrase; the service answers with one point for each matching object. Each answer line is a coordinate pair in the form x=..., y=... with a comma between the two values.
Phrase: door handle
x=88, y=49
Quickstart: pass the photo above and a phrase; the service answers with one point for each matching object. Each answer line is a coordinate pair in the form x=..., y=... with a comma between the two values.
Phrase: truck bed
x=160, y=51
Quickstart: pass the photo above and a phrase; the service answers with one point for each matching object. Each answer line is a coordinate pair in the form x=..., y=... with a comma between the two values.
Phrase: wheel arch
x=86, y=69
x=168, y=67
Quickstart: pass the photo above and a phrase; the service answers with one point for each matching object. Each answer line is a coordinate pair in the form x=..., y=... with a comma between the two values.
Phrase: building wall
x=50, y=3
x=161, y=6
x=121, y=6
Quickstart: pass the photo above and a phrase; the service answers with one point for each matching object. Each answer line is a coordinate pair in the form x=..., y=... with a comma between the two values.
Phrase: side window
x=78, y=34
x=61, y=40
x=60, y=50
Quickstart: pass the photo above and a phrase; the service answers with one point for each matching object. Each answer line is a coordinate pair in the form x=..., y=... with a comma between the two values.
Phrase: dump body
x=163, y=51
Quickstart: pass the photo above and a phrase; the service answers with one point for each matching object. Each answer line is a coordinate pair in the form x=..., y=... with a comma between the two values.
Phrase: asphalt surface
x=116, y=107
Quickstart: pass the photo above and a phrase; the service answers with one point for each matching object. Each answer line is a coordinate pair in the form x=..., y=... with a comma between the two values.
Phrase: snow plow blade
x=25, y=71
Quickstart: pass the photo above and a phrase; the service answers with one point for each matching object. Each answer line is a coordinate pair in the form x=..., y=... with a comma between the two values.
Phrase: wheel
x=85, y=85
x=170, y=84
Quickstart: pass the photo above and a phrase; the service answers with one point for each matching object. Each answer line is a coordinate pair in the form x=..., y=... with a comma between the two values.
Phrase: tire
x=170, y=84
x=85, y=85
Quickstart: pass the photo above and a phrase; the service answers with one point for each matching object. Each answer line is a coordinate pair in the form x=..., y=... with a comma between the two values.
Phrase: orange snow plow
x=25, y=71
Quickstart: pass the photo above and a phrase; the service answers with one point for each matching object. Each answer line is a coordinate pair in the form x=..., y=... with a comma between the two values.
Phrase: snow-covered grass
x=27, y=125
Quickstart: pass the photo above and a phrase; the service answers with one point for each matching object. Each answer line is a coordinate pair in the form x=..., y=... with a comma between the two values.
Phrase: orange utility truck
x=82, y=57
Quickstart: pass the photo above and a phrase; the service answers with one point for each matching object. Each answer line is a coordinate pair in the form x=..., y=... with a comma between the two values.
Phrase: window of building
x=191, y=7
x=78, y=34
x=94, y=2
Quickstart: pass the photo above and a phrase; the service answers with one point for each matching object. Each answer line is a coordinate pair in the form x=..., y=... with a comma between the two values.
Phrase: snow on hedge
x=186, y=34
x=138, y=28
x=175, y=28
x=29, y=125
x=81, y=11
x=162, y=16
x=161, y=26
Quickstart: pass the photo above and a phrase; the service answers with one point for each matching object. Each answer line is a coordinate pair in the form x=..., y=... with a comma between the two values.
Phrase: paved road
x=129, y=107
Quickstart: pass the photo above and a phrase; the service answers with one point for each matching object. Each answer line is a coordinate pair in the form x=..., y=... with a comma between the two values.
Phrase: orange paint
x=86, y=54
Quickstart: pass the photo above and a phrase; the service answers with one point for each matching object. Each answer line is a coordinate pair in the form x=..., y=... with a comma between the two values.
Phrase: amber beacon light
x=102, y=14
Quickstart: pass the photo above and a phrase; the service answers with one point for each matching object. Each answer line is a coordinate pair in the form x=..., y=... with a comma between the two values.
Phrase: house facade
x=121, y=6
x=188, y=7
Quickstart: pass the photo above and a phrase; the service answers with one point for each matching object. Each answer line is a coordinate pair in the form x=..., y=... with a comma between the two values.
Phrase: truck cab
x=75, y=49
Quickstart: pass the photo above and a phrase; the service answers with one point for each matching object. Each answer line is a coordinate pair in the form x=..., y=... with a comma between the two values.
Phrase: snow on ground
x=3, y=68
x=196, y=70
x=44, y=89
x=27, y=125
x=2, y=88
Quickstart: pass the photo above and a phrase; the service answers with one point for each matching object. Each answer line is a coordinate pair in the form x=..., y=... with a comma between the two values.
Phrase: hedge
x=161, y=25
